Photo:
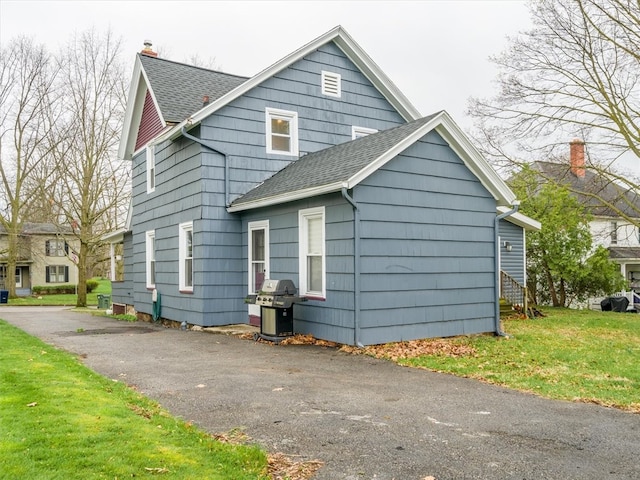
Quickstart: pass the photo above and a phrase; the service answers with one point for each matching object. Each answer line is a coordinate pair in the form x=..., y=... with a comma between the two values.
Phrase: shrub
x=53, y=290
x=91, y=285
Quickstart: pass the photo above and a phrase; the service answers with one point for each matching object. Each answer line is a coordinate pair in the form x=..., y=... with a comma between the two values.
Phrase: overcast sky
x=435, y=51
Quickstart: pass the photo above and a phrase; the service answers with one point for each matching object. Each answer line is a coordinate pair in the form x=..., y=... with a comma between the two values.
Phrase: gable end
x=150, y=124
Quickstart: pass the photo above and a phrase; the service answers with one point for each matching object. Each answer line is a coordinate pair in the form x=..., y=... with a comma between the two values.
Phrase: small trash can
x=103, y=301
x=4, y=296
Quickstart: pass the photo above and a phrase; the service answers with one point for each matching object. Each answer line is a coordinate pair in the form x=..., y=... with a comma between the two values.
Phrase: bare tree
x=94, y=181
x=575, y=74
x=28, y=110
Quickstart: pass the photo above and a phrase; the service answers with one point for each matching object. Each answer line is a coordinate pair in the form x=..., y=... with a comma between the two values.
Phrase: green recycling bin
x=103, y=301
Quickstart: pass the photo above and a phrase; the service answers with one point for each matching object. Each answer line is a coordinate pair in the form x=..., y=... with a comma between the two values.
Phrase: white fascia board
x=474, y=160
x=287, y=197
x=128, y=113
x=376, y=75
x=460, y=144
x=114, y=237
x=397, y=149
x=521, y=220
x=345, y=43
x=133, y=113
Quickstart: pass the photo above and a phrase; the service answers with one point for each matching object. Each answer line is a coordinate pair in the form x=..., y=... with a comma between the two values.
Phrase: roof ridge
x=211, y=70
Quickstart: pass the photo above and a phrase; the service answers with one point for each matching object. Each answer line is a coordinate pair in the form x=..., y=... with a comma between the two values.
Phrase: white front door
x=258, y=268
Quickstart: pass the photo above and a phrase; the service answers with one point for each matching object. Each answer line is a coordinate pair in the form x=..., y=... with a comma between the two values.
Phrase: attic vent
x=331, y=84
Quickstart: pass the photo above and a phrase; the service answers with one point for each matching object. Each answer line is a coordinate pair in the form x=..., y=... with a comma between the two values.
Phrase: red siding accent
x=150, y=124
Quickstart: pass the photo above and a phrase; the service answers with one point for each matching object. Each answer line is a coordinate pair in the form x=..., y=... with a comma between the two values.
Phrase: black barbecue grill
x=276, y=299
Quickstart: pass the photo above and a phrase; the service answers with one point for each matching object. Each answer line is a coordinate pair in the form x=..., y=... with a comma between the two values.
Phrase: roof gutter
x=356, y=268
x=514, y=208
x=205, y=144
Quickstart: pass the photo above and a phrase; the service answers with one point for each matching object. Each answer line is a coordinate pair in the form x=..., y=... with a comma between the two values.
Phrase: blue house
x=318, y=170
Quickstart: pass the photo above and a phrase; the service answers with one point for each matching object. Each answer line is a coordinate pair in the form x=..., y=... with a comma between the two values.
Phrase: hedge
x=62, y=289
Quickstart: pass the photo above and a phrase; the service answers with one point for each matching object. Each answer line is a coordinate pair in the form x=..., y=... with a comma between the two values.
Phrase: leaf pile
x=282, y=467
x=414, y=348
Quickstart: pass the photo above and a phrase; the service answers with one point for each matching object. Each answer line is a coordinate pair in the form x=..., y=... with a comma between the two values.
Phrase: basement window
x=331, y=84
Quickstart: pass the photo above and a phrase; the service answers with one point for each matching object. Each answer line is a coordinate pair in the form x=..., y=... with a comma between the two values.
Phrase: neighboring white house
x=615, y=209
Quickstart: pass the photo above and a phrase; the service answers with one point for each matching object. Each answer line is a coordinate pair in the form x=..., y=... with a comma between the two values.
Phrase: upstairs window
x=358, y=132
x=614, y=233
x=282, y=132
x=56, y=248
x=151, y=168
x=331, y=84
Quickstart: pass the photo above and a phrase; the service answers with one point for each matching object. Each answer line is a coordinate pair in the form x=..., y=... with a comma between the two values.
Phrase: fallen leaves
x=415, y=348
x=450, y=347
x=282, y=467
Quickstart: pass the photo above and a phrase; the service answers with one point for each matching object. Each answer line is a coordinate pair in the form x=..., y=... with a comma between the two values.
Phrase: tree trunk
x=552, y=288
x=82, y=275
x=12, y=254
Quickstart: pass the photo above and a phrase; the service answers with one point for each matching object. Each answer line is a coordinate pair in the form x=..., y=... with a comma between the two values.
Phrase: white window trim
x=338, y=84
x=260, y=225
x=150, y=254
x=183, y=228
x=151, y=168
x=303, y=216
x=18, y=277
x=292, y=118
x=358, y=132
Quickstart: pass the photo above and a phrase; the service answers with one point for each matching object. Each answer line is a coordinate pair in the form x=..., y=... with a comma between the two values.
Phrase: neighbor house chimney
x=577, y=157
x=147, y=49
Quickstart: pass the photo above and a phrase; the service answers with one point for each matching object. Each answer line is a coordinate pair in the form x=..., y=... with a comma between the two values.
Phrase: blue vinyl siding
x=190, y=186
x=427, y=252
x=512, y=262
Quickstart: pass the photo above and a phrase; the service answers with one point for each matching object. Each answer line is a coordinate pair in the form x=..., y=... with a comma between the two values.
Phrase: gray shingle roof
x=331, y=165
x=30, y=228
x=179, y=88
x=624, y=252
x=592, y=189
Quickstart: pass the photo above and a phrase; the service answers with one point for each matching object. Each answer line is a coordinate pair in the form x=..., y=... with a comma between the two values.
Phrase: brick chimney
x=576, y=157
x=147, y=49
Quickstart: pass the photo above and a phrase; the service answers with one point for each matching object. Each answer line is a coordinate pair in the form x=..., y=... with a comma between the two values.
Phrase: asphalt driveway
x=364, y=418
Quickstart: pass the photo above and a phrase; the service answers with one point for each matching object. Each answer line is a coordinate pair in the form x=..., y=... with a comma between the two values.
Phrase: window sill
x=319, y=299
x=188, y=292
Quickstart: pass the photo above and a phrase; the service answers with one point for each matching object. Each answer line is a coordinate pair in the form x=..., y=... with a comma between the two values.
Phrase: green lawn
x=578, y=355
x=60, y=420
x=104, y=287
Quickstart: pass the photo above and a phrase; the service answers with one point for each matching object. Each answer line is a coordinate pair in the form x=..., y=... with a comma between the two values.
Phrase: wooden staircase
x=512, y=295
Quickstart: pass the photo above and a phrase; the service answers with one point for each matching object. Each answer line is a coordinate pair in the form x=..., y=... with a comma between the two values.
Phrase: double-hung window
x=151, y=168
x=282, y=132
x=55, y=248
x=614, y=233
x=151, y=258
x=186, y=256
x=56, y=274
x=312, y=252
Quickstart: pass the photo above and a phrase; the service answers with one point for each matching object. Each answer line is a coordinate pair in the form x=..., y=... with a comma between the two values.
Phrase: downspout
x=514, y=208
x=226, y=161
x=356, y=268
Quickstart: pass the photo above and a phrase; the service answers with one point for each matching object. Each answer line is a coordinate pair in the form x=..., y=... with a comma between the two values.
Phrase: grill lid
x=278, y=287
